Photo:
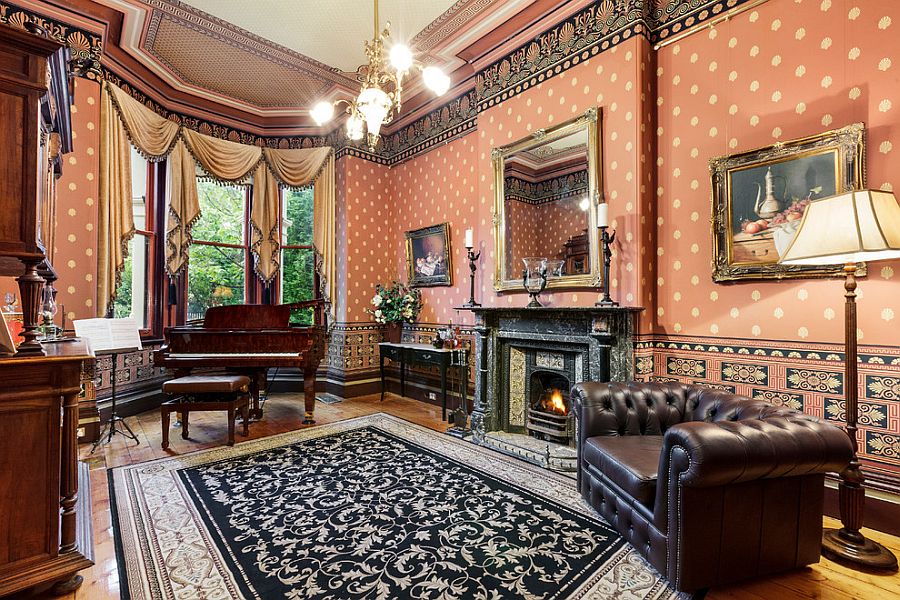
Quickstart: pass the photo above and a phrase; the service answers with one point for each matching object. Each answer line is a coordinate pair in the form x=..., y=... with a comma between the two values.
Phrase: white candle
x=469, y=239
x=603, y=215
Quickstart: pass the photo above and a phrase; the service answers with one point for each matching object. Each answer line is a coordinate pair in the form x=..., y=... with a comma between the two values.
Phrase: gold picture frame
x=759, y=196
x=428, y=256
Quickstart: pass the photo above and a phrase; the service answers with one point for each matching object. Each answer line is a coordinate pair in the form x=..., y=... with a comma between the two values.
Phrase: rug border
x=280, y=439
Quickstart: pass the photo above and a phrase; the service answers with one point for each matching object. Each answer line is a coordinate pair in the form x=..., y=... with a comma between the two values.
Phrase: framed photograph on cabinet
x=428, y=256
x=759, y=197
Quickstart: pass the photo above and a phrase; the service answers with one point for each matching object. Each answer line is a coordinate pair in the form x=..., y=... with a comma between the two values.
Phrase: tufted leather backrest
x=639, y=408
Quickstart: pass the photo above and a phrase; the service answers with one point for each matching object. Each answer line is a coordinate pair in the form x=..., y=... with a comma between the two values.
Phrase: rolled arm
x=725, y=452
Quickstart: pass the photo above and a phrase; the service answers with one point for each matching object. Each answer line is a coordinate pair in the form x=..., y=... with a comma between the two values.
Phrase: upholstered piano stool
x=206, y=392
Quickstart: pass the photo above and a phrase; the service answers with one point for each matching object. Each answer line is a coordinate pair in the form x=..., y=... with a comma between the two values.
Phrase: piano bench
x=206, y=392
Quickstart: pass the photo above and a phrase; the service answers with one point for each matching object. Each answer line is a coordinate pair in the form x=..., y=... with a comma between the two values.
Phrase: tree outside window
x=297, y=255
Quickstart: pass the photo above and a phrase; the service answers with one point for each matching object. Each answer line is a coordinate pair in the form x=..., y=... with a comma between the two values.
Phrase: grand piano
x=249, y=339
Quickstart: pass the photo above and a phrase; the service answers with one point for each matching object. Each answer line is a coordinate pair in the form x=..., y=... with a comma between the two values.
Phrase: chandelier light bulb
x=354, y=128
x=436, y=80
x=584, y=204
x=401, y=58
x=374, y=105
x=322, y=112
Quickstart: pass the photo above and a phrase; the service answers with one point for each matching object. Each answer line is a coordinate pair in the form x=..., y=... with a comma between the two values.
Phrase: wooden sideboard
x=45, y=504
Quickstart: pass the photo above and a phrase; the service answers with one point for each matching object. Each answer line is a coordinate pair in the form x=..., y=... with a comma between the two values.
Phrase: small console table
x=424, y=354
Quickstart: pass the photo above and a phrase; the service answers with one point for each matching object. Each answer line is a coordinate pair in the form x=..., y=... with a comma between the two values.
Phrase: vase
x=393, y=332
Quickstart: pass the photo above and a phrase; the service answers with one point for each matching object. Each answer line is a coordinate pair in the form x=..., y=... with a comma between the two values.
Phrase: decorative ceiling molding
x=85, y=47
x=590, y=31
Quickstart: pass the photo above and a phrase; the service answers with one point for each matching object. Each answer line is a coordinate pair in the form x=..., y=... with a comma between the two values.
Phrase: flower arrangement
x=395, y=304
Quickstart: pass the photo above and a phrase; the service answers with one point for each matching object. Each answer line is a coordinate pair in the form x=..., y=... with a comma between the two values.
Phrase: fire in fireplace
x=549, y=414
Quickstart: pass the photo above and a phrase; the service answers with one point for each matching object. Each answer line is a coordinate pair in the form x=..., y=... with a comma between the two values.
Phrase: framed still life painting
x=759, y=198
x=428, y=256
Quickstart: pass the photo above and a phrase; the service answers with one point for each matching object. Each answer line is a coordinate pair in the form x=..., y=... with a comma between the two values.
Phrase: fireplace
x=549, y=415
x=528, y=359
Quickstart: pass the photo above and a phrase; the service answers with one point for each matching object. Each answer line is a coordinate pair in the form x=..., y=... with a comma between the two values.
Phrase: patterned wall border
x=808, y=377
x=551, y=190
x=85, y=48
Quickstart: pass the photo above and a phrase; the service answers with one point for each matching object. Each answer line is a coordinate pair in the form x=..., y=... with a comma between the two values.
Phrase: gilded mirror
x=546, y=189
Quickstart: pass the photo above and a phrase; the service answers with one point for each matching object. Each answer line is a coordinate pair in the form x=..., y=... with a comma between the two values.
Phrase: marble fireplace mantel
x=599, y=339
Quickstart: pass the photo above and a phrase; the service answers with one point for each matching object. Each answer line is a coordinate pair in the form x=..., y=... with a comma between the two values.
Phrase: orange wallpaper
x=543, y=229
x=364, y=228
x=76, y=216
x=454, y=182
x=784, y=70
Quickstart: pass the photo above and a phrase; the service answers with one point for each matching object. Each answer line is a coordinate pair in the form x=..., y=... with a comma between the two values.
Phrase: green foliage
x=395, y=304
x=122, y=303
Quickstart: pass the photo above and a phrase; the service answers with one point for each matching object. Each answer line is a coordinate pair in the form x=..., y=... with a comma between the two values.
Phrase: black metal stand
x=526, y=283
x=472, y=258
x=605, y=241
x=460, y=416
x=110, y=428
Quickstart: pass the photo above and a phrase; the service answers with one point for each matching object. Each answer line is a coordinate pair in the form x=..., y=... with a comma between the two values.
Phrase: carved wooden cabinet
x=45, y=523
x=35, y=130
x=45, y=504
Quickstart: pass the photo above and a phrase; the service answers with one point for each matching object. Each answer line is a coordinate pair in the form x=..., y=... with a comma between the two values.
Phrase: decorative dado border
x=804, y=376
x=85, y=48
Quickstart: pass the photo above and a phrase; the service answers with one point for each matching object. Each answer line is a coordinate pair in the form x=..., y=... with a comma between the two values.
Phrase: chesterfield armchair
x=710, y=487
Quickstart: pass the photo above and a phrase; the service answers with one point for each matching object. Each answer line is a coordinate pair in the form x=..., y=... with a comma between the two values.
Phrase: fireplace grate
x=550, y=426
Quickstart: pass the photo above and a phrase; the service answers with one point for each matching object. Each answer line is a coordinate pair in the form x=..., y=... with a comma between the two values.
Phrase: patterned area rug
x=374, y=507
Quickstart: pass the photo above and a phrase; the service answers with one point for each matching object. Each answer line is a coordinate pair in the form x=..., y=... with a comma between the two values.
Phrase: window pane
x=297, y=280
x=222, y=217
x=139, y=189
x=134, y=288
x=215, y=278
x=297, y=217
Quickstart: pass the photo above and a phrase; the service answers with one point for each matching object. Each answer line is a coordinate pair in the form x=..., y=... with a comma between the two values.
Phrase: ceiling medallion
x=379, y=100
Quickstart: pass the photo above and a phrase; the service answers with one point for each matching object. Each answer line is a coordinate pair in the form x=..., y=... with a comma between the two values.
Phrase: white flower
x=377, y=300
x=408, y=298
x=378, y=313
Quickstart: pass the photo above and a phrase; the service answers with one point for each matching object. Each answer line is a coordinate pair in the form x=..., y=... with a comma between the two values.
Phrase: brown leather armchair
x=710, y=487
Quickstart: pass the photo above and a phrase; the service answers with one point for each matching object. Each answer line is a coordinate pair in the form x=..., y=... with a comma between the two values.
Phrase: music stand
x=110, y=428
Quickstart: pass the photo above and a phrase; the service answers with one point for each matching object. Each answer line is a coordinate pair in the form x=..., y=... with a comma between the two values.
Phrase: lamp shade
x=847, y=228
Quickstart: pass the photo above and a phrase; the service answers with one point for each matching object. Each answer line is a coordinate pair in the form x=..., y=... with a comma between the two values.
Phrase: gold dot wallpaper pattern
x=781, y=71
x=74, y=258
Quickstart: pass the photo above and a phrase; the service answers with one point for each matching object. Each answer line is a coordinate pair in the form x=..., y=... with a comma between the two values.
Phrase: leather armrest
x=724, y=452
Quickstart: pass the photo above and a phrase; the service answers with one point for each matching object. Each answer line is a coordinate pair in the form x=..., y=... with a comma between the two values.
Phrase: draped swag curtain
x=124, y=119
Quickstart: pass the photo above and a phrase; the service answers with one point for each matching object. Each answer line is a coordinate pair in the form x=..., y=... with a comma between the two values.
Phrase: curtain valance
x=124, y=119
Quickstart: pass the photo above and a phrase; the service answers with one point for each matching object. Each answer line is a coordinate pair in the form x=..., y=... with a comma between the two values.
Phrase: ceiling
x=298, y=24
x=262, y=64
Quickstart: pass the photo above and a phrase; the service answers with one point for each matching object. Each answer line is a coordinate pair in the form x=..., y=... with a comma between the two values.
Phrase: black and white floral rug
x=375, y=508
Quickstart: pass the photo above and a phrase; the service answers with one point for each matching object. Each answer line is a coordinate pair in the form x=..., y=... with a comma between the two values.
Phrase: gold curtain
x=296, y=167
x=324, y=233
x=184, y=207
x=156, y=138
x=115, y=225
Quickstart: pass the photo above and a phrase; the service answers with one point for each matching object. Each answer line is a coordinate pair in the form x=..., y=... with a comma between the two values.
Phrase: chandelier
x=379, y=100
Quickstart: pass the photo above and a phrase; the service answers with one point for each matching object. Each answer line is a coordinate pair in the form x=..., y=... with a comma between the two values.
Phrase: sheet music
x=109, y=334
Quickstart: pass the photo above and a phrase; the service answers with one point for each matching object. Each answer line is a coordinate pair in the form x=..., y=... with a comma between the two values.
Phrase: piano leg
x=255, y=378
x=309, y=394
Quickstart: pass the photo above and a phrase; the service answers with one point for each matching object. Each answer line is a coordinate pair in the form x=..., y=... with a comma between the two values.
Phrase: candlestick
x=470, y=239
x=470, y=303
x=606, y=239
x=603, y=215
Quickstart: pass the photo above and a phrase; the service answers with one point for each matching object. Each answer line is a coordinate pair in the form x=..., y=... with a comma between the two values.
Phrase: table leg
x=444, y=392
x=382, y=378
x=403, y=377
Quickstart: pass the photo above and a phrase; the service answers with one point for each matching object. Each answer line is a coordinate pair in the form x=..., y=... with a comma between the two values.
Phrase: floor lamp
x=850, y=228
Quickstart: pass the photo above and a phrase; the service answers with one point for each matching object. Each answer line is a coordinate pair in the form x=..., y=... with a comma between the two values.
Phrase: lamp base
x=841, y=545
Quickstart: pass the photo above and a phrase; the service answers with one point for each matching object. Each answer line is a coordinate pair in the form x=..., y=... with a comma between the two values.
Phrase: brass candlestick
x=473, y=256
x=606, y=240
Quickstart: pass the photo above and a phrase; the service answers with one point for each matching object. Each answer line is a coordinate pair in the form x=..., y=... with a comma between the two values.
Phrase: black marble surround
x=601, y=338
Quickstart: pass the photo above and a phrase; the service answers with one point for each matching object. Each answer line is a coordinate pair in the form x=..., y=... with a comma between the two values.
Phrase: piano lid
x=253, y=316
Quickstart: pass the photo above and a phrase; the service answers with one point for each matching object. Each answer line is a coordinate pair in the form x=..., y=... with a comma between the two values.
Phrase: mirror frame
x=590, y=121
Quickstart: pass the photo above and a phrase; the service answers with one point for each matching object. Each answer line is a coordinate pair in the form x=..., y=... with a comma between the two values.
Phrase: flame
x=555, y=403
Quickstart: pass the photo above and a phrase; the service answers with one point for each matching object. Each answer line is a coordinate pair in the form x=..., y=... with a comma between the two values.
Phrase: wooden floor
x=825, y=580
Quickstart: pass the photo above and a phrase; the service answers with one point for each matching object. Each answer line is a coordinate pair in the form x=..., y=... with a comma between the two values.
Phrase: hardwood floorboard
x=823, y=581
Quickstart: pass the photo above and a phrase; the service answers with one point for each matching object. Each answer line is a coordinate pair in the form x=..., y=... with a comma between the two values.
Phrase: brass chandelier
x=380, y=98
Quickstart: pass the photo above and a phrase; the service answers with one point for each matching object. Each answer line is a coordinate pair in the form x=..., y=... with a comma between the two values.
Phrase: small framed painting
x=759, y=198
x=428, y=256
